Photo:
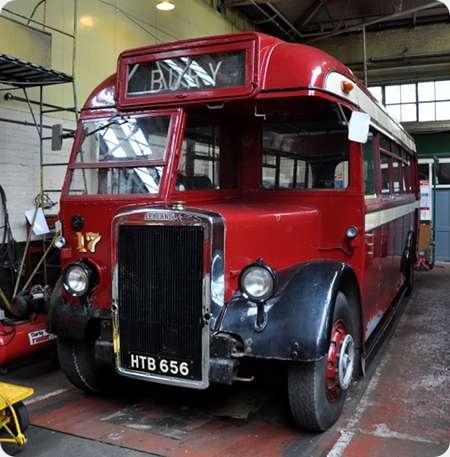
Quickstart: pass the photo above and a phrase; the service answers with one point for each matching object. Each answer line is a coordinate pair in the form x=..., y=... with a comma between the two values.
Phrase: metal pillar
x=364, y=48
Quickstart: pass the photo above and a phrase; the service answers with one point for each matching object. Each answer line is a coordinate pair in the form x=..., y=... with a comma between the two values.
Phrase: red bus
x=217, y=219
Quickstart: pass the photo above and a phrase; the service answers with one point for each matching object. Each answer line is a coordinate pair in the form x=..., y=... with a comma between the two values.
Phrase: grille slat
x=160, y=272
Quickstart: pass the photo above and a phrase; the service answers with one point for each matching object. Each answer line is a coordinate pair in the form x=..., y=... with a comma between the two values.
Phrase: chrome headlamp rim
x=86, y=270
x=270, y=293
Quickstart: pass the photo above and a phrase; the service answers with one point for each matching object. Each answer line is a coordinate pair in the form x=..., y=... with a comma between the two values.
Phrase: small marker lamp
x=347, y=87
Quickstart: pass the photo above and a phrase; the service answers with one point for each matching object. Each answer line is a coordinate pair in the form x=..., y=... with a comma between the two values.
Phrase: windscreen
x=130, y=154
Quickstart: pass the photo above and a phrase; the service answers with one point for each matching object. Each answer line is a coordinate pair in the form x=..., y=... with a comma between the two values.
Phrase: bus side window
x=369, y=167
x=396, y=176
x=285, y=173
x=303, y=175
x=270, y=170
x=297, y=157
x=385, y=174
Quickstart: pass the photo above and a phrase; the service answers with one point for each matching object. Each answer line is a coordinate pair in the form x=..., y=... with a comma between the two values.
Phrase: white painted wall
x=19, y=166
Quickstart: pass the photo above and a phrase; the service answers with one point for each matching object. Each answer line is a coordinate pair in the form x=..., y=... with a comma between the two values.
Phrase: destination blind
x=187, y=74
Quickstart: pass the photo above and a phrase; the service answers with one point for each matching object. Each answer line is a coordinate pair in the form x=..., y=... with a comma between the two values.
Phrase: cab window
x=208, y=158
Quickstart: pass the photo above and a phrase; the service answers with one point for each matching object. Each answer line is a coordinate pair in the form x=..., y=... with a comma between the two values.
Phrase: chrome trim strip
x=213, y=287
x=377, y=218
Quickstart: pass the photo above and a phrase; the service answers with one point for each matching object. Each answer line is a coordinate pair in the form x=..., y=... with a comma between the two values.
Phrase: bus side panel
x=384, y=250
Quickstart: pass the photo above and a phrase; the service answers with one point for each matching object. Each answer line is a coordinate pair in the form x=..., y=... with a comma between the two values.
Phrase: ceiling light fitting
x=165, y=5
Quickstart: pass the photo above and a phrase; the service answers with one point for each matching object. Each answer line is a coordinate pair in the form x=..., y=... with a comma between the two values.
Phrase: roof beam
x=399, y=14
x=309, y=14
x=234, y=3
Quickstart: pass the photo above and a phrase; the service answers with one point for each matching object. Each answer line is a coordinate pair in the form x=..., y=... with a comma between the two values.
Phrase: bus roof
x=270, y=65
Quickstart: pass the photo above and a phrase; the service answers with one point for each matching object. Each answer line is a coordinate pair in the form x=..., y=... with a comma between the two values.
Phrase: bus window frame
x=251, y=78
x=394, y=198
x=176, y=117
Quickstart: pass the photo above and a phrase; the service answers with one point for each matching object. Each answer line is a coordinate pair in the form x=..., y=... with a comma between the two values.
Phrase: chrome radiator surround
x=212, y=284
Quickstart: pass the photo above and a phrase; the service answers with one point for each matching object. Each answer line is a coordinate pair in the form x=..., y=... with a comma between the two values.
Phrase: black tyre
x=409, y=281
x=317, y=390
x=77, y=361
x=408, y=264
x=22, y=417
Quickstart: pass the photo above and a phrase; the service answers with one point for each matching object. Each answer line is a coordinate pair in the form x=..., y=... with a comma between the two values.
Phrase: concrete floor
x=401, y=408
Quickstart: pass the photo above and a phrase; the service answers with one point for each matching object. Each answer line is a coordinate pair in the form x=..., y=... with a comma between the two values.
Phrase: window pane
x=426, y=91
x=394, y=111
x=377, y=93
x=322, y=158
x=409, y=113
x=396, y=170
x=269, y=176
x=139, y=180
x=408, y=93
x=208, y=160
x=341, y=175
x=120, y=139
x=443, y=173
x=385, y=179
x=395, y=148
x=269, y=161
x=385, y=143
x=424, y=173
x=407, y=181
x=442, y=90
x=442, y=111
x=392, y=94
x=426, y=111
x=181, y=74
x=286, y=173
x=303, y=175
x=369, y=172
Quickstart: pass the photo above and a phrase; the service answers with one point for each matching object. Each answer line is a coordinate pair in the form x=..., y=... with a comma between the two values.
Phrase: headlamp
x=257, y=282
x=78, y=279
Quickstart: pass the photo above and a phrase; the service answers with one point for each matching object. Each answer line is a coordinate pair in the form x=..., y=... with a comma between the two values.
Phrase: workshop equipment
x=14, y=418
x=23, y=338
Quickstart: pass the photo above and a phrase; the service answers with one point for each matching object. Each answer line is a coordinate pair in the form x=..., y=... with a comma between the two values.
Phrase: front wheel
x=317, y=390
x=77, y=361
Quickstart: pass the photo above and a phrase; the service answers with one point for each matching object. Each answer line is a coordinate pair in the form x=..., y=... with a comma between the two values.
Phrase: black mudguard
x=70, y=320
x=297, y=320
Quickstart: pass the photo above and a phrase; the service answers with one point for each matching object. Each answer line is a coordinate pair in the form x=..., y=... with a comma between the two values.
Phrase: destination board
x=186, y=74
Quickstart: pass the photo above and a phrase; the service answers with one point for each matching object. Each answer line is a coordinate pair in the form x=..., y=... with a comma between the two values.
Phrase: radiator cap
x=180, y=206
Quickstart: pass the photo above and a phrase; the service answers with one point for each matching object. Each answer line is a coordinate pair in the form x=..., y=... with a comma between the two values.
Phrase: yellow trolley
x=13, y=413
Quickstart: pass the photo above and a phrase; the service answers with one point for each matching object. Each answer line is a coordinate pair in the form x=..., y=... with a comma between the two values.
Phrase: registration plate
x=159, y=365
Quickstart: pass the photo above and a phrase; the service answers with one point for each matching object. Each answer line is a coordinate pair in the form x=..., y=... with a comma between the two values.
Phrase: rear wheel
x=78, y=363
x=409, y=260
x=409, y=282
x=317, y=390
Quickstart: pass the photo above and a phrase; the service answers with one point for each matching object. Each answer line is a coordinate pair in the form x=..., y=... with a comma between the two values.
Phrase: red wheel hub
x=337, y=337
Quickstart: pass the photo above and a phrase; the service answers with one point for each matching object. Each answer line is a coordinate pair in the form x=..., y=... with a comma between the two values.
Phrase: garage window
x=415, y=102
x=443, y=174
